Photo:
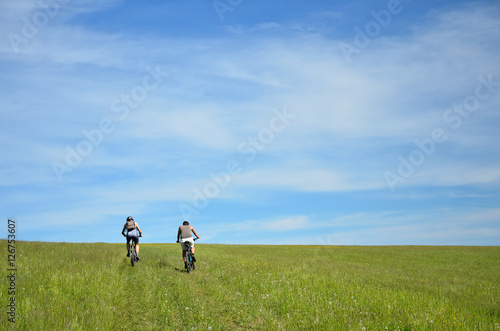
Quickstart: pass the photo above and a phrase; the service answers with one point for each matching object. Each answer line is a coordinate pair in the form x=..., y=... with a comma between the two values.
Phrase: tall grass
x=62, y=286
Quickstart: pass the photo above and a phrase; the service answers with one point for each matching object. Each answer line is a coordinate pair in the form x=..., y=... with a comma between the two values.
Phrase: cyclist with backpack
x=184, y=233
x=133, y=233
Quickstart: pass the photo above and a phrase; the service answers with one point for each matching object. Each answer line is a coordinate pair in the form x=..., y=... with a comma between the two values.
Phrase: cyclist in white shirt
x=185, y=234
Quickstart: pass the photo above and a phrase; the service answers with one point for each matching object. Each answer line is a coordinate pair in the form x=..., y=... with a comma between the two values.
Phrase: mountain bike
x=189, y=257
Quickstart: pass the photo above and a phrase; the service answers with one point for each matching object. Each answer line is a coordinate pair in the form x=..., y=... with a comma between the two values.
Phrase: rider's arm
x=138, y=228
x=123, y=231
x=197, y=236
x=178, y=233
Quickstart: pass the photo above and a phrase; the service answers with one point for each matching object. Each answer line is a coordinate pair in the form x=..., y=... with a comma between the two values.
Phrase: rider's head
x=185, y=223
x=130, y=218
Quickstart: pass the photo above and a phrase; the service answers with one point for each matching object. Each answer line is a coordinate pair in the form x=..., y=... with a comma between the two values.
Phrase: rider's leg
x=192, y=253
x=184, y=255
x=128, y=247
x=136, y=241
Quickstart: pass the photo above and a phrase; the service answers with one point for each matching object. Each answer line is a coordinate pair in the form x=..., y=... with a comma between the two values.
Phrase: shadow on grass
x=181, y=270
x=164, y=264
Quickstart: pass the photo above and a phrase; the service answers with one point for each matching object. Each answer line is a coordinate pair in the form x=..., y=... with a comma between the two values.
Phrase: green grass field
x=64, y=286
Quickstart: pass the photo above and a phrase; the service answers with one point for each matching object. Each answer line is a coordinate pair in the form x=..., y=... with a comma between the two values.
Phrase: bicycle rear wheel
x=188, y=262
x=132, y=255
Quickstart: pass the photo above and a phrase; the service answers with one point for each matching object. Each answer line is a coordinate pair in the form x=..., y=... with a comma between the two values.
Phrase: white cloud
x=260, y=27
x=429, y=227
x=303, y=179
x=198, y=126
x=287, y=224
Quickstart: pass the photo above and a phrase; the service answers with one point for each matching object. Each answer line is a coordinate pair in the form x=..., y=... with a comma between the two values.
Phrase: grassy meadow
x=70, y=286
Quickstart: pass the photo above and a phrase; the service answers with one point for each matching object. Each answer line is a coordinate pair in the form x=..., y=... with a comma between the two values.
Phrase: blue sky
x=286, y=122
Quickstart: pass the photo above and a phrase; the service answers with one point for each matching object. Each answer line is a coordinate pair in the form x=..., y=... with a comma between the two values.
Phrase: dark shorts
x=134, y=238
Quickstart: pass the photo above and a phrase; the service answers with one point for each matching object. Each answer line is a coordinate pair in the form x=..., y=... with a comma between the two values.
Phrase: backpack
x=131, y=225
